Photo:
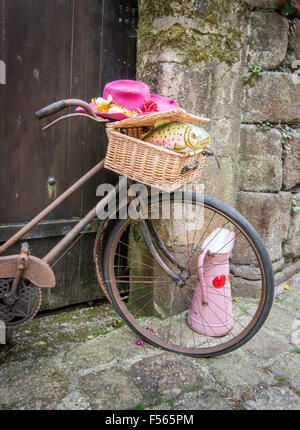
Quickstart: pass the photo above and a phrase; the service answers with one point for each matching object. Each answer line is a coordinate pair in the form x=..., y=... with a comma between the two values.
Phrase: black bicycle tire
x=242, y=222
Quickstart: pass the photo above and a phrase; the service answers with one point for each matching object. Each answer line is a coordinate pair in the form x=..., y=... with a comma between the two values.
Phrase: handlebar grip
x=51, y=109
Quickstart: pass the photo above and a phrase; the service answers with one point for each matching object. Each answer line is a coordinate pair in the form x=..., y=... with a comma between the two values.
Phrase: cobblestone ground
x=83, y=359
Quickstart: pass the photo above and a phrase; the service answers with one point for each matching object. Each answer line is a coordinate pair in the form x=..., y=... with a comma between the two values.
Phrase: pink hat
x=133, y=95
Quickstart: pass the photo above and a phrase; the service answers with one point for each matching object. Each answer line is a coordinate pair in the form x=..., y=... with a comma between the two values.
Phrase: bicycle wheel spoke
x=143, y=264
x=200, y=241
x=133, y=249
x=171, y=316
x=199, y=310
x=217, y=293
x=229, y=318
x=217, y=252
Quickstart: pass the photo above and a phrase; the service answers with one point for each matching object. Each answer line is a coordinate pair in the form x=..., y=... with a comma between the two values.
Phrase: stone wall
x=235, y=62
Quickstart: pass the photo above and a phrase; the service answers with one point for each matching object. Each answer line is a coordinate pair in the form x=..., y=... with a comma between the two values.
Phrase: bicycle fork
x=179, y=279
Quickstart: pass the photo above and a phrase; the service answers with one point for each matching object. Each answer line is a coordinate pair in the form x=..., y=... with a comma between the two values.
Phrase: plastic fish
x=178, y=136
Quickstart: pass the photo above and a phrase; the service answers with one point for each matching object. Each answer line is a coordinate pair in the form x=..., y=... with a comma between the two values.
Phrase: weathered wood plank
x=51, y=228
x=119, y=38
x=57, y=49
x=2, y=89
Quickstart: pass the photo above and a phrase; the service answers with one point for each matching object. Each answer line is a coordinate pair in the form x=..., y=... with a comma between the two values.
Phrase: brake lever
x=210, y=152
x=72, y=115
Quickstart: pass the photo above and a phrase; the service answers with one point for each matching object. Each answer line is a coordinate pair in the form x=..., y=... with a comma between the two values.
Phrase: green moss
x=196, y=388
x=212, y=11
x=159, y=401
x=251, y=83
x=194, y=47
x=76, y=316
x=155, y=8
x=44, y=336
x=281, y=379
x=189, y=43
x=171, y=403
x=140, y=407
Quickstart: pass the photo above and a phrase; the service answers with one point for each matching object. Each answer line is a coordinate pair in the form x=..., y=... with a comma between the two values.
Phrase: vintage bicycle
x=148, y=266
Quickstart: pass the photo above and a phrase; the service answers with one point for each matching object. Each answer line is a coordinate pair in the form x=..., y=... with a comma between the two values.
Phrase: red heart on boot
x=219, y=281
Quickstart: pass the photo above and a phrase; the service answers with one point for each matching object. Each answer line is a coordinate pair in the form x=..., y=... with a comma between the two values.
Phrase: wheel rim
x=156, y=326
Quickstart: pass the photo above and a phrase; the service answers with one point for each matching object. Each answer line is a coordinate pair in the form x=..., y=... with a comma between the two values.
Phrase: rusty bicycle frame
x=38, y=271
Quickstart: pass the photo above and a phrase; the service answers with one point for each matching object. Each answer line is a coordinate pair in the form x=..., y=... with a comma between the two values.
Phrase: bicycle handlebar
x=63, y=104
x=51, y=109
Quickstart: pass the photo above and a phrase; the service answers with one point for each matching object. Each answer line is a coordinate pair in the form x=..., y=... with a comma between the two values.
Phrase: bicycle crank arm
x=23, y=260
x=178, y=279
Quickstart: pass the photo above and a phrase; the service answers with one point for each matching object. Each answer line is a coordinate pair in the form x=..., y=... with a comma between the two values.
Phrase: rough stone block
x=274, y=97
x=224, y=137
x=238, y=376
x=260, y=159
x=291, y=61
x=219, y=183
x=296, y=6
x=246, y=288
x=253, y=273
x=274, y=398
x=290, y=268
x=209, y=88
x=292, y=244
x=267, y=4
x=265, y=345
x=291, y=164
x=226, y=91
x=174, y=81
x=40, y=389
x=166, y=376
x=270, y=215
x=196, y=30
x=267, y=40
x=119, y=393
x=200, y=400
x=288, y=367
x=296, y=40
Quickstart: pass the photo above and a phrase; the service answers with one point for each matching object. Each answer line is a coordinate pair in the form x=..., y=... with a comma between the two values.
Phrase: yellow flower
x=286, y=287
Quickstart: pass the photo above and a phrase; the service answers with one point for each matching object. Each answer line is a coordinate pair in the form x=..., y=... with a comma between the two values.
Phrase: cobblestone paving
x=84, y=359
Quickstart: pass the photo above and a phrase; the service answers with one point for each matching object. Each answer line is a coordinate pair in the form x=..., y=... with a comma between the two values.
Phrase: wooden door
x=58, y=49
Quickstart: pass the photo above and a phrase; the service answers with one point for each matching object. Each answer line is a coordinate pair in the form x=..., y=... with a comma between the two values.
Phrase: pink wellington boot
x=211, y=309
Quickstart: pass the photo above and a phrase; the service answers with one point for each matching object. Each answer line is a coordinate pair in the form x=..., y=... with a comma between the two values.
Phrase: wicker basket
x=147, y=163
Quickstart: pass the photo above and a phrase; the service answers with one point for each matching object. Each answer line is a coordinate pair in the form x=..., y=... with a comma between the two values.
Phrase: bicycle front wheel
x=226, y=293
